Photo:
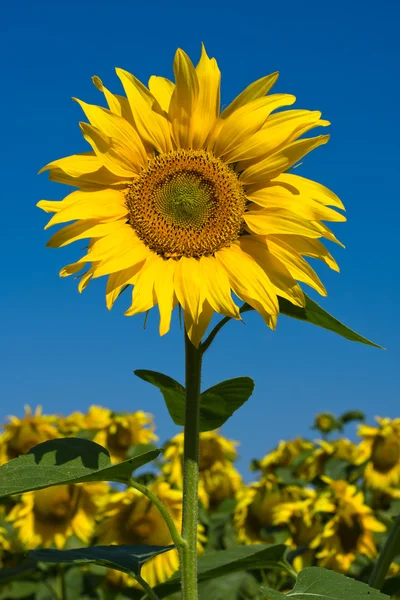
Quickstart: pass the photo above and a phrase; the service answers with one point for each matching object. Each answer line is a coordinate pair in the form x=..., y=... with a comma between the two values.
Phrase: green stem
x=63, y=583
x=208, y=341
x=149, y=592
x=176, y=537
x=390, y=550
x=188, y=554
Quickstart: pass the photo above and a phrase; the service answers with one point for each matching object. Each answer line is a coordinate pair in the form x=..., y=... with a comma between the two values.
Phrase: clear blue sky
x=64, y=350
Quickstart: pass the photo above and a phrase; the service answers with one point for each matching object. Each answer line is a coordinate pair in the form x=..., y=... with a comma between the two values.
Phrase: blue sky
x=64, y=350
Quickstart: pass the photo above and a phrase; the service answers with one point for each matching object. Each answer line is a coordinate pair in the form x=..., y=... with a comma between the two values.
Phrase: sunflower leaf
x=217, y=404
x=314, y=583
x=314, y=314
x=129, y=559
x=240, y=558
x=66, y=460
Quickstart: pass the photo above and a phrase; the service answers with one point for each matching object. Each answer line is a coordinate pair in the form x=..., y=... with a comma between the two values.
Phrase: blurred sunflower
x=96, y=419
x=20, y=435
x=254, y=517
x=325, y=422
x=350, y=531
x=381, y=448
x=284, y=455
x=304, y=519
x=125, y=431
x=314, y=464
x=116, y=432
x=49, y=517
x=189, y=204
x=130, y=518
x=218, y=478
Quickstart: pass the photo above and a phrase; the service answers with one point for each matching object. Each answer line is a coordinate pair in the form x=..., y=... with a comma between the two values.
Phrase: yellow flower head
x=116, y=432
x=313, y=465
x=125, y=431
x=381, y=448
x=325, y=422
x=284, y=454
x=20, y=435
x=188, y=204
x=218, y=479
x=96, y=419
x=130, y=518
x=49, y=517
x=256, y=509
x=350, y=531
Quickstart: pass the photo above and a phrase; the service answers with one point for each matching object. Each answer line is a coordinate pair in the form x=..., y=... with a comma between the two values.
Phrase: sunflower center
x=385, y=453
x=349, y=532
x=56, y=505
x=186, y=203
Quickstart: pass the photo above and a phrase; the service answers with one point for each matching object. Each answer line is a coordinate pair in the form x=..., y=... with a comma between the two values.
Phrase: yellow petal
x=285, y=285
x=208, y=101
x=309, y=247
x=327, y=233
x=118, y=129
x=255, y=90
x=281, y=128
x=162, y=89
x=218, y=289
x=245, y=121
x=300, y=185
x=183, y=100
x=152, y=126
x=278, y=220
x=119, y=105
x=196, y=329
x=81, y=230
x=75, y=165
x=116, y=281
x=143, y=296
x=165, y=294
x=131, y=255
x=54, y=206
x=275, y=196
x=189, y=288
x=71, y=269
x=116, y=157
x=85, y=279
x=105, y=205
x=107, y=247
x=295, y=264
x=249, y=282
x=276, y=163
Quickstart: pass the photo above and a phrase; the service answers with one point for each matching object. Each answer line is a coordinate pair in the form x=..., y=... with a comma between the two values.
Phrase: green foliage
x=128, y=559
x=217, y=404
x=66, y=460
x=314, y=314
x=314, y=583
x=240, y=558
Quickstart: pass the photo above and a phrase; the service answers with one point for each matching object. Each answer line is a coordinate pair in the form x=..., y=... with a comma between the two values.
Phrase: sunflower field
x=327, y=501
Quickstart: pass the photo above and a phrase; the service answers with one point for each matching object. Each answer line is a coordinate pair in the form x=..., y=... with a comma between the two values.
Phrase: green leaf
x=217, y=404
x=234, y=586
x=336, y=468
x=222, y=562
x=123, y=558
x=314, y=583
x=66, y=460
x=352, y=415
x=313, y=313
x=173, y=392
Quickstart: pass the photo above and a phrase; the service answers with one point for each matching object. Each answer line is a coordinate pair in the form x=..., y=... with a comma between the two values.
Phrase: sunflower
x=304, y=519
x=130, y=518
x=188, y=204
x=255, y=513
x=125, y=431
x=96, y=419
x=218, y=478
x=116, y=432
x=381, y=448
x=49, y=517
x=20, y=435
x=349, y=532
x=313, y=466
x=284, y=454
